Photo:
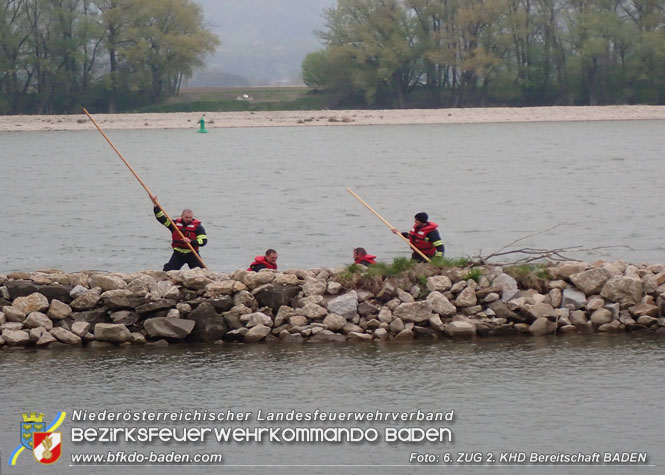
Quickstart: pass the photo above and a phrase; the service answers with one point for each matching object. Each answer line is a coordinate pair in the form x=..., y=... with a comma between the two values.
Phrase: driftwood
x=531, y=254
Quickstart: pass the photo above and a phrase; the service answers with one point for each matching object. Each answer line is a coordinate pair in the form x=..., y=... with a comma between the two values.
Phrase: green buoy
x=202, y=130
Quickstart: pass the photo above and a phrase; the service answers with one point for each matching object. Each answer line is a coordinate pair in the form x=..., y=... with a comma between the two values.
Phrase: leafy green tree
x=167, y=40
x=379, y=37
x=15, y=73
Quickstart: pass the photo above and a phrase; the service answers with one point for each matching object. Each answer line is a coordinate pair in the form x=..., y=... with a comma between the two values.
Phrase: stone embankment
x=49, y=308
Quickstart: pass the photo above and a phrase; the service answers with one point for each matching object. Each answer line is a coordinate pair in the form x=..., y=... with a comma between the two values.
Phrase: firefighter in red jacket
x=361, y=257
x=192, y=231
x=268, y=261
x=425, y=236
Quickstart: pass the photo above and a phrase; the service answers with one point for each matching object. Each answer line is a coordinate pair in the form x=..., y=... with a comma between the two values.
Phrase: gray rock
x=34, y=302
x=152, y=307
x=385, y=316
x=257, y=279
x=573, y=298
x=247, y=299
x=314, y=287
x=461, y=329
x=334, y=322
x=405, y=297
x=312, y=311
x=87, y=300
x=345, y=305
x=13, y=314
x=381, y=334
x=366, y=309
x=65, y=336
x=59, y=310
x=612, y=327
x=436, y=323
x=162, y=327
x=404, y=336
x=256, y=318
x=508, y=286
x=140, y=286
x=542, y=326
x=210, y=326
x=359, y=337
x=16, y=337
x=217, y=289
x=257, y=333
x=80, y=328
x=625, y=290
x=591, y=281
x=439, y=283
x=45, y=339
x=286, y=279
x=38, y=319
x=601, y=316
x=195, y=278
x=138, y=338
x=647, y=320
x=93, y=317
x=541, y=310
x=113, y=332
x=107, y=282
x=334, y=288
x=414, y=312
x=397, y=325
x=387, y=292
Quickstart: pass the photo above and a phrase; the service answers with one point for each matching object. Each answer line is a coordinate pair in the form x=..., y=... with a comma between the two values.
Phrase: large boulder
x=542, y=326
x=414, y=312
x=113, y=332
x=461, y=329
x=65, y=336
x=573, y=298
x=591, y=281
x=440, y=304
x=162, y=327
x=34, y=302
x=276, y=295
x=345, y=305
x=59, y=310
x=257, y=333
x=107, y=282
x=508, y=286
x=210, y=326
x=624, y=290
x=16, y=337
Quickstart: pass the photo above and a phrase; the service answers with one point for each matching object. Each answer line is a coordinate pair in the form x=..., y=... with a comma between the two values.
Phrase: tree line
x=57, y=55
x=433, y=53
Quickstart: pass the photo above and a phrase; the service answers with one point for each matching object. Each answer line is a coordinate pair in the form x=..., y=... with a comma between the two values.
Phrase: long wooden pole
x=170, y=221
x=388, y=224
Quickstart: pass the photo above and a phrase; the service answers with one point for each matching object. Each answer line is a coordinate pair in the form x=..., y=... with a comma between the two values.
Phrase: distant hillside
x=263, y=41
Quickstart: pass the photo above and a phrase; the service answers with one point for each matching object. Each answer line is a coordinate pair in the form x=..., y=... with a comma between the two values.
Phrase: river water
x=73, y=205
x=70, y=203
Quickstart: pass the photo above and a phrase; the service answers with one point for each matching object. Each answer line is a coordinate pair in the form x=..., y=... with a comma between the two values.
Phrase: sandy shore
x=184, y=120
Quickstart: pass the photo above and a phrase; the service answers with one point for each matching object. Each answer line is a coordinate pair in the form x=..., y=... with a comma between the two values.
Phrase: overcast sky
x=264, y=41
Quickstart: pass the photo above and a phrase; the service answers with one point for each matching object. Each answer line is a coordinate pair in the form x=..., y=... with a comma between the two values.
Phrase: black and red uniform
x=260, y=262
x=427, y=239
x=182, y=254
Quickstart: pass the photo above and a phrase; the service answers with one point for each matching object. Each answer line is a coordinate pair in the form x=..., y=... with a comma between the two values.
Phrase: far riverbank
x=184, y=120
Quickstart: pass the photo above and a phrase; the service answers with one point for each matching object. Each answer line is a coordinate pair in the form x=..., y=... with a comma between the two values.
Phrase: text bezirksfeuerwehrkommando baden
x=317, y=415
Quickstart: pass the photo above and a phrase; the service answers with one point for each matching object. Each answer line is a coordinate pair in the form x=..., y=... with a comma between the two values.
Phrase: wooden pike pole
x=170, y=221
x=388, y=224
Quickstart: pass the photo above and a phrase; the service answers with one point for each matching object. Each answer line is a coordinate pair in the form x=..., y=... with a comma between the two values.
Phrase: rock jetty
x=50, y=308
